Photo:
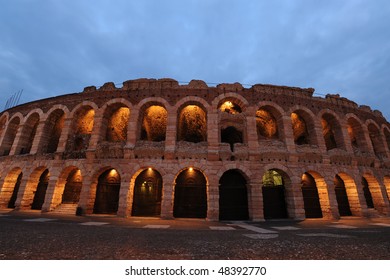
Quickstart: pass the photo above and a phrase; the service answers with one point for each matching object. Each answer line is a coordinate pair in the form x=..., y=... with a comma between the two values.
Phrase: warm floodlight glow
x=191, y=169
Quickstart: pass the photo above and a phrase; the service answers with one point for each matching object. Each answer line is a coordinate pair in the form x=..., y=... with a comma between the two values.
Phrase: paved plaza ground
x=34, y=235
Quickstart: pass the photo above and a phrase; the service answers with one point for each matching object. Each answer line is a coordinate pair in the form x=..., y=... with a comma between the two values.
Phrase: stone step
x=69, y=209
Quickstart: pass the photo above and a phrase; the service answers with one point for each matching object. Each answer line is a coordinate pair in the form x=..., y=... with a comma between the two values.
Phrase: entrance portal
x=342, y=197
x=233, y=196
x=310, y=197
x=190, y=195
x=72, y=189
x=40, y=193
x=147, y=194
x=11, y=203
x=107, y=193
x=273, y=196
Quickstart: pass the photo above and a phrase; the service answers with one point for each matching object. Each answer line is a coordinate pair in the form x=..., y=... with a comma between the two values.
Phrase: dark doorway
x=107, y=193
x=72, y=189
x=342, y=197
x=147, y=194
x=190, y=195
x=40, y=193
x=233, y=196
x=231, y=135
x=11, y=203
x=367, y=193
x=273, y=196
x=311, y=199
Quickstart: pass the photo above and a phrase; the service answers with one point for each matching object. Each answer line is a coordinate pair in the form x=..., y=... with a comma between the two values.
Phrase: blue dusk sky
x=54, y=47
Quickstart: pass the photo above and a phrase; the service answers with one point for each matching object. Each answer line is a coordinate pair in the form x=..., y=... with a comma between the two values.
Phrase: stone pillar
x=320, y=141
x=170, y=138
x=213, y=135
x=96, y=131
x=50, y=204
x=334, y=208
x=17, y=139
x=255, y=200
x=346, y=139
x=213, y=199
x=288, y=134
x=64, y=135
x=4, y=192
x=125, y=198
x=356, y=198
x=25, y=194
x=294, y=199
x=87, y=195
x=37, y=138
x=168, y=197
x=251, y=131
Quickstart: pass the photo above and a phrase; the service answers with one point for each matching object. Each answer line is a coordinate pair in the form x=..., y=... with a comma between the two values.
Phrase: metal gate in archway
x=107, y=193
x=233, y=196
x=147, y=194
x=273, y=196
x=190, y=195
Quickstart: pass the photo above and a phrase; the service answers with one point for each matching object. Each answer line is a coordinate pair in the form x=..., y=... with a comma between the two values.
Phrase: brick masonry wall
x=253, y=158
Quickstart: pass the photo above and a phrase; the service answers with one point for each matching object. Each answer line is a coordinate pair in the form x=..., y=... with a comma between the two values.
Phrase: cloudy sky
x=53, y=47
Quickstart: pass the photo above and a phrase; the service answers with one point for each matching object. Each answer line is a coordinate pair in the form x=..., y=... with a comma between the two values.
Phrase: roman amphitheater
x=163, y=149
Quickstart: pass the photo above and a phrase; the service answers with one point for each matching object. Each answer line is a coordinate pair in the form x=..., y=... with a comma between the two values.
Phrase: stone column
x=255, y=200
x=37, y=138
x=294, y=199
x=251, y=131
x=168, y=196
x=64, y=135
x=87, y=195
x=125, y=198
x=49, y=203
x=170, y=138
x=288, y=134
x=334, y=210
x=213, y=199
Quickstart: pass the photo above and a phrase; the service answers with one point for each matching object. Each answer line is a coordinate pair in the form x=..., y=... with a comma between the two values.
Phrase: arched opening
x=9, y=137
x=342, y=197
x=311, y=198
x=328, y=131
x=147, y=194
x=300, y=131
x=14, y=196
x=233, y=196
x=52, y=131
x=367, y=193
x=356, y=135
x=28, y=134
x=40, y=193
x=107, y=193
x=376, y=140
x=387, y=186
x=154, y=124
x=192, y=124
x=231, y=135
x=274, y=202
x=190, y=195
x=267, y=127
x=72, y=190
x=81, y=132
x=118, y=119
x=230, y=107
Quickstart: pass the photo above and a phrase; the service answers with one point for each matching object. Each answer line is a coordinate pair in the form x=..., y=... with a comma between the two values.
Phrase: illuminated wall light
x=191, y=169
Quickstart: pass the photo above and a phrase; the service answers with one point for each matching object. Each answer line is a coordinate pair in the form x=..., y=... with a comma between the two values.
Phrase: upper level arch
x=303, y=125
x=52, y=129
x=269, y=121
x=376, y=139
x=115, y=121
x=386, y=133
x=331, y=130
x=356, y=133
x=192, y=121
x=10, y=134
x=29, y=129
x=237, y=103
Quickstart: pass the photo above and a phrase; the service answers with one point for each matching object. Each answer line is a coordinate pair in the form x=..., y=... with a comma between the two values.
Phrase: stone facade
x=77, y=139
